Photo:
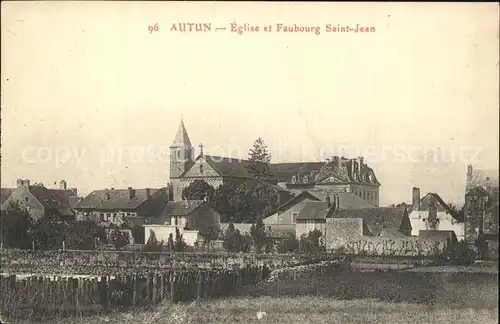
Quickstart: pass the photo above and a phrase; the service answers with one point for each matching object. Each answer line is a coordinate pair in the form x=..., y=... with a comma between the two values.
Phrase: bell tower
x=181, y=152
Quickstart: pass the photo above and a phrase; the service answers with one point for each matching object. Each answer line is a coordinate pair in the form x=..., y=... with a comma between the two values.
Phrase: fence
x=85, y=293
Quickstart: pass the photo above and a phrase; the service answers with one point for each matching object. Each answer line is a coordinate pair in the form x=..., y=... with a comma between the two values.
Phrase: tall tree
x=153, y=245
x=259, y=235
x=259, y=160
x=198, y=190
x=119, y=239
x=179, y=245
x=15, y=226
x=457, y=213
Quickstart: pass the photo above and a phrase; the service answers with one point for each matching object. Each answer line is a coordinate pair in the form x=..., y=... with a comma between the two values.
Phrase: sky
x=92, y=96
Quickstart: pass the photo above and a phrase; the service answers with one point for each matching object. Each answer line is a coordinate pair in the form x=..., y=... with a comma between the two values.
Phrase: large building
x=338, y=174
x=481, y=204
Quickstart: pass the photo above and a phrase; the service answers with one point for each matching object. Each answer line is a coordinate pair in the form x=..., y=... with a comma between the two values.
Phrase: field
x=359, y=297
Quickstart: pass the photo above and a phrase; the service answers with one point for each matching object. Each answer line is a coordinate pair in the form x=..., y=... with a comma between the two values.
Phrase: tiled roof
x=477, y=191
x=375, y=218
x=115, y=199
x=5, y=193
x=438, y=236
x=347, y=200
x=181, y=138
x=285, y=171
x=52, y=198
x=296, y=199
x=426, y=201
x=181, y=208
x=314, y=210
x=229, y=167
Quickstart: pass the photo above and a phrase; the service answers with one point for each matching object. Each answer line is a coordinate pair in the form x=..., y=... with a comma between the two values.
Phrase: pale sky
x=89, y=95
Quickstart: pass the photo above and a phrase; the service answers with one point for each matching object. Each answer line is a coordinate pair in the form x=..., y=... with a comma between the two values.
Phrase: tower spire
x=182, y=137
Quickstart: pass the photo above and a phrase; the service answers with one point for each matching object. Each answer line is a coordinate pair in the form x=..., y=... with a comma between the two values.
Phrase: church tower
x=181, y=153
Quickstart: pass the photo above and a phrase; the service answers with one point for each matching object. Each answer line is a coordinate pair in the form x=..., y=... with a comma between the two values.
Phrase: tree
x=310, y=243
x=119, y=239
x=171, y=243
x=15, y=225
x=209, y=235
x=290, y=244
x=179, y=245
x=153, y=245
x=48, y=232
x=197, y=190
x=245, y=244
x=232, y=240
x=259, y=235
x=82, y=235
x=243, y=203
x=259, y=160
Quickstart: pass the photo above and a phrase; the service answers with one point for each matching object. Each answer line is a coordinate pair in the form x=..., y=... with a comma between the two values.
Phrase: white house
x=432, y=213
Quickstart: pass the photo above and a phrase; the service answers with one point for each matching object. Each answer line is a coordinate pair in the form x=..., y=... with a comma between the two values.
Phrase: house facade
x=115, y=206
x=193, y=219
x=432, y=214
x=338, y=174
x=40, y=201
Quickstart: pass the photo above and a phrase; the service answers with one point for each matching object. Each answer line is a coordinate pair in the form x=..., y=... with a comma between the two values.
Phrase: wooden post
x=172, y=287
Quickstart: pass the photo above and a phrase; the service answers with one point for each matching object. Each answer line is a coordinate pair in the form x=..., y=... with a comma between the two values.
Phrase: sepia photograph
x=249, y=162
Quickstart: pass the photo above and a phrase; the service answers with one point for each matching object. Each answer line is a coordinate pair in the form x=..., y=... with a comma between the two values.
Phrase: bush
x=119, y=239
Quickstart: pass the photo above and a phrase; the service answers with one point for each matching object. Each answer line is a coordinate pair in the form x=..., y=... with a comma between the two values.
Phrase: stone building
x=40, y=201
x=481, y=204
x=338, y=174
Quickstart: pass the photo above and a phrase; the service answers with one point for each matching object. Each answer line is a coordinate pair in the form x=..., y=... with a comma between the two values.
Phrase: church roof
x=229, y=167
x=181, y=138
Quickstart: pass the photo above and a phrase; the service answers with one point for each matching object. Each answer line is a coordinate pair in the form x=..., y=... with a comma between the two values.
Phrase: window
x=294, y=179
x=101, y=217
x=201, y=168
x=294, y=217
x=26, y=199
x=306, y=179
x=310, y=225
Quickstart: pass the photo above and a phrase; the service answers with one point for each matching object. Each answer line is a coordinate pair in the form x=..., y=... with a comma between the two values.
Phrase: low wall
x=110, y=262
x=366, y=245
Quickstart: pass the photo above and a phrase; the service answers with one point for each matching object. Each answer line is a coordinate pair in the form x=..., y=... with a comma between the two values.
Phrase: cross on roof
x=201, y=148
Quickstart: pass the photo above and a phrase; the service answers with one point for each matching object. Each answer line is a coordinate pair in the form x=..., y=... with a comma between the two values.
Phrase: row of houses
x=341, y=217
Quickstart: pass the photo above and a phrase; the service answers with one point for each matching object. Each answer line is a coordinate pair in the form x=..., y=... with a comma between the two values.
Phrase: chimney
x=62, y=185
x=75, y=190
x=108, y=197
x=353, y=166
x=416, y=199
x=360, y=159
x=25, y=183
x=469, y=170
x=328, y=201
x=131, y=193
x=148, y=192
x=19, y=183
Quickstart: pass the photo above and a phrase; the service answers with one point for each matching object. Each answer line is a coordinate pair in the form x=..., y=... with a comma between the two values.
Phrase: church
x=338, y=174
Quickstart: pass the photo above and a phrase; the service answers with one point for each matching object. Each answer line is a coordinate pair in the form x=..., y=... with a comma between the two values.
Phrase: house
x=373, y=221
x=447, y=237
x=287, y=213
x=117, y=205
x=313, y=217
x=193, y=218
x=41, y=201
x=339, y=174
x=432, y=213
x=481, y=204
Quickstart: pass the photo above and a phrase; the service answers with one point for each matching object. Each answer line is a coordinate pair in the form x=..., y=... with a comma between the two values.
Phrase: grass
x=302, y=309
x=456, y=298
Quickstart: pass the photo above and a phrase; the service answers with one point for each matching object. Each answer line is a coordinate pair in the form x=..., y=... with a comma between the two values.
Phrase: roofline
x=130, y=208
